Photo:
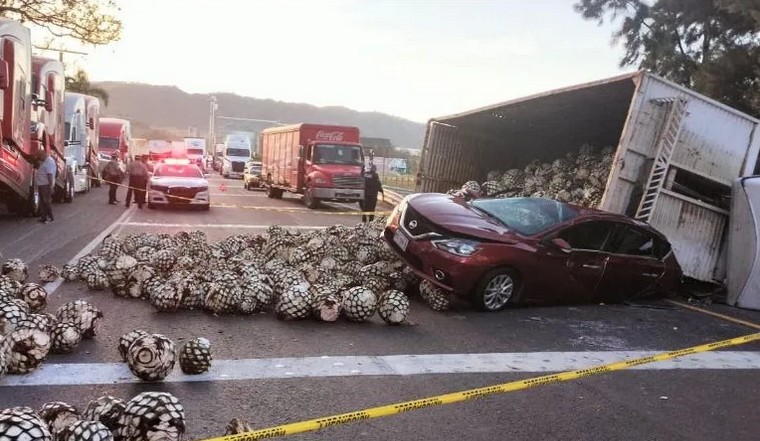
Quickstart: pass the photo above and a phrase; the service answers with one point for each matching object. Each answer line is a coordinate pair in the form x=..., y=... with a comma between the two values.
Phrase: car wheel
x=206, y=207
x=151, y=206
x=497, y=289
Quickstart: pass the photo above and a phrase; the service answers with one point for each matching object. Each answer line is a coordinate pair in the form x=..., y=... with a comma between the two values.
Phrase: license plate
x=401, y=240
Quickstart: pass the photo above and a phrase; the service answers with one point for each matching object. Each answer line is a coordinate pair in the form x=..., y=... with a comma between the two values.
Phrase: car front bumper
x=453, y=273
x=160, y=198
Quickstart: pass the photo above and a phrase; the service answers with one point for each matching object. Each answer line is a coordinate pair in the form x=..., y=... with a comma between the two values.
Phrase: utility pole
x=213, y=106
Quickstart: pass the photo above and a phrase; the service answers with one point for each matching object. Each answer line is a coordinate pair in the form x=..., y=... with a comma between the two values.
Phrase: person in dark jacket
x=113, y=175
x=138, y=181
x=372, y=186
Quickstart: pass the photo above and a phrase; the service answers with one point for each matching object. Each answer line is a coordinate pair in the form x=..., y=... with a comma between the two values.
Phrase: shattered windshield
x=527, y=216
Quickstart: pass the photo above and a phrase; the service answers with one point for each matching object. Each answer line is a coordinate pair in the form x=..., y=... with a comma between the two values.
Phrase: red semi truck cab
x=115, y=135
x=321, y=162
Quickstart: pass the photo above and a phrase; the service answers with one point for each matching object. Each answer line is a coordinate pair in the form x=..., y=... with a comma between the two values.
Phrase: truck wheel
x=68, y=193
x=58, y=193
x=309, y=200
x=279, y=193
x=271, y=192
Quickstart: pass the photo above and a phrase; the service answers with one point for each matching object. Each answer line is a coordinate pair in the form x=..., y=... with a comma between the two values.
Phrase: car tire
x=151, y=206
x=497, y=289
x=68, y=193
x=206, y=207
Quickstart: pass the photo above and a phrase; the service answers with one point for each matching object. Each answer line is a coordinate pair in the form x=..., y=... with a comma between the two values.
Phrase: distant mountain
x=173, y=110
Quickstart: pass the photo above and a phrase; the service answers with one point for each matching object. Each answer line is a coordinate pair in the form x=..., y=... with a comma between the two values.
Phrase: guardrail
x=392, y=197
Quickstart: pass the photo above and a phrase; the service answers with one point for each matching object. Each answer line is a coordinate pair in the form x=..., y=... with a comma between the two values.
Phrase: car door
x=633, y=267
x=573, y=277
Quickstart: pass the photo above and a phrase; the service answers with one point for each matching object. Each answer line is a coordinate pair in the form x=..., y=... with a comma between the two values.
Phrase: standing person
x=138, y=179
x=372, y=186
x=113, y=175
x=44, y=179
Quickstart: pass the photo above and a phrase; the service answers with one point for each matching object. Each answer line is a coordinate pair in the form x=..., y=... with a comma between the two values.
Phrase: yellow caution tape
x=260, y=208
x=395, y=409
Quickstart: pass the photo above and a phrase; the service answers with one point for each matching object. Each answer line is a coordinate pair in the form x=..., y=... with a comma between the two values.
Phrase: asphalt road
x=717, y=401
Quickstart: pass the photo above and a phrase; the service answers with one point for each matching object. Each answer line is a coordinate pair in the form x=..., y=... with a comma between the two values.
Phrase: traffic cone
x=222, y=187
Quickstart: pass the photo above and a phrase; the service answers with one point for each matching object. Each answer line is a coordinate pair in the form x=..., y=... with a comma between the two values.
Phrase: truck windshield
x=337, y=154
x=238, y=152
x=109, y=143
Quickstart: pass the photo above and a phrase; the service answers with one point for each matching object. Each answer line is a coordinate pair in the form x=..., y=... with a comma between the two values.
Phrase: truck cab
x=195, y=151
x=115, y=136
x=18, y=155
x=237, y=151
x=92, y=122
x=48, y=124
x=77, y=139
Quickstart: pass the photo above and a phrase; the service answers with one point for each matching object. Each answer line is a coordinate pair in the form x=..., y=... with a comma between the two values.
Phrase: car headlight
x=460, y=247
x=320, y=180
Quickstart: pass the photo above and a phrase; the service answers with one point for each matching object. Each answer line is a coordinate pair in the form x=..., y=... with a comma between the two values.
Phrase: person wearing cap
x=372, y=186
x=138, y=181
x=113, y=175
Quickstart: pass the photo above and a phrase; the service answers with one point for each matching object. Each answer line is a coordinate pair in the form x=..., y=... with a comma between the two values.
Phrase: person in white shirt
x=44, y=179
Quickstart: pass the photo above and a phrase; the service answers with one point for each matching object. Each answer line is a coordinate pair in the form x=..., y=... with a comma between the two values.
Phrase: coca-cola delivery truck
x=321, y=162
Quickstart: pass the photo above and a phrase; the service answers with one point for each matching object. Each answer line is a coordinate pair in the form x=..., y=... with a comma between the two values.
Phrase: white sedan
x=180, y=183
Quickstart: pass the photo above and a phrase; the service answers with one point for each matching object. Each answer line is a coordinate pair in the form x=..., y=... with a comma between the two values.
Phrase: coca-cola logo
x=329, y=136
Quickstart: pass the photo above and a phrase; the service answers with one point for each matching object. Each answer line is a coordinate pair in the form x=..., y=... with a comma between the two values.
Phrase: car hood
x=173, y=181
x=455, y=215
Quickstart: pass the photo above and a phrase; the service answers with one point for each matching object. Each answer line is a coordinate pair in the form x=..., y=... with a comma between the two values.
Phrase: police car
x=178, y=182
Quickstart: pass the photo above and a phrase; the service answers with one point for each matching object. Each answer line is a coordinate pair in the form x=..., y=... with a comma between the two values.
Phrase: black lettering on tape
x=342, y=419
x=419, y=404
x=592, y=370
x=482, y=392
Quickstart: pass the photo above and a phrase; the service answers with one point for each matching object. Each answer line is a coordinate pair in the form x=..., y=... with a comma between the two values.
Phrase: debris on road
x=195, y=356
x=323, y=274
x=151, y=357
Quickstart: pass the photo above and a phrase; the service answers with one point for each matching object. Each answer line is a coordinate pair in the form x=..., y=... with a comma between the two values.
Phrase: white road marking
x=387, y=365
x=251, y=195
x=230, y=226
x=52, y=286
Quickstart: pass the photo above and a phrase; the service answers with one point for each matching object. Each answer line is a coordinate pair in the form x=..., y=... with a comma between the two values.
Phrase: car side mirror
x=561, y=245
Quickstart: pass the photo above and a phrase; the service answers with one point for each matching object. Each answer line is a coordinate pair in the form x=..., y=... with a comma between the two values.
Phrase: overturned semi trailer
x=676, y=154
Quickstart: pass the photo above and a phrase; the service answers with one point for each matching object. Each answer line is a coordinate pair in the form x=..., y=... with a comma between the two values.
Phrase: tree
x=81, y=83
x=90, y=21
x=712, y=46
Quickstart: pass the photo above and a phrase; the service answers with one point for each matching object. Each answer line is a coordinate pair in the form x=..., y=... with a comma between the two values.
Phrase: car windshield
x=337, y=154
x=182, y=171
x=109, y=143
x=238, y=152
x=527, y=216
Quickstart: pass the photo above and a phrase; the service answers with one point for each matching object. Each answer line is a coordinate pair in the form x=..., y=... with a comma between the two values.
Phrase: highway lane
x=699, y=404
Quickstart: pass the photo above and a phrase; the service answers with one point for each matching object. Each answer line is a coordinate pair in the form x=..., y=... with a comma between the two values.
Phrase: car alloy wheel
x=497, y=289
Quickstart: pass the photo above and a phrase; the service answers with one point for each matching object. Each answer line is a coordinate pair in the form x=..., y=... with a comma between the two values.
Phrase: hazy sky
x=415, y=59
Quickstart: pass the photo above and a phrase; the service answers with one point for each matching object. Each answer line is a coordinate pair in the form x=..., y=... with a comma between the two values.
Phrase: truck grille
x=348, y=182
x=181, y=195
x=238, y=167
x=417, y=226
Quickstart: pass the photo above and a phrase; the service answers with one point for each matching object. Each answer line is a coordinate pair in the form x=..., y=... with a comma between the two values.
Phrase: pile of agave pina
x=28, y=333
x=321, y=273
x=149, y=416
x=578, y=178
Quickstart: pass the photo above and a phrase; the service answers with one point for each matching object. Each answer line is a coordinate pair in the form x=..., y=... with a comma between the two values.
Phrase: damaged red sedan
x=498, y=252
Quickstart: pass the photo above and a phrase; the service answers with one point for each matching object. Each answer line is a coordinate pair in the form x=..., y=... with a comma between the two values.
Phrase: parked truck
x=77, y=140
x=237, y=151
x=195, y=150
x=675, y=154
x=48, y=128
x=115, y=137
x=138, y=147
x=320, y=162
x=18, y=156
x=92, y=122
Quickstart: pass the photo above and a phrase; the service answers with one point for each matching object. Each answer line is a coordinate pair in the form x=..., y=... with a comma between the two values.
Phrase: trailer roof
x=543, y=102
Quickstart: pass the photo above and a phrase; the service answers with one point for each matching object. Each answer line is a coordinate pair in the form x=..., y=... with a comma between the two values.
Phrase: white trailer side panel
x=715, y=139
